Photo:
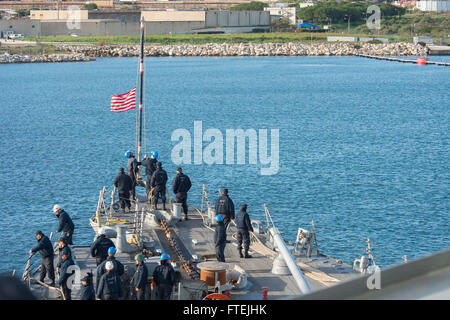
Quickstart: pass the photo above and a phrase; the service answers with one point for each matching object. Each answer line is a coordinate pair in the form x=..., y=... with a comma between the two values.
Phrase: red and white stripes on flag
x=123, y=102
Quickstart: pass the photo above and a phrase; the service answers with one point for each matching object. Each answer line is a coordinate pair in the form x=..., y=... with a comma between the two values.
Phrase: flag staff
x=141, y=87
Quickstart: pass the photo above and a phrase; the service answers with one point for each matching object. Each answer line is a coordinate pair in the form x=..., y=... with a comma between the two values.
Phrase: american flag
x=123, y=102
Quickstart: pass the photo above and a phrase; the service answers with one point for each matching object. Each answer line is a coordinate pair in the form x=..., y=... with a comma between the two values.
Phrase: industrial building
x=114, y=22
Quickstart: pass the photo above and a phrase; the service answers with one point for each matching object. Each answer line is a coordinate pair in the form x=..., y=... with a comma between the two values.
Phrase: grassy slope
x=279, y=37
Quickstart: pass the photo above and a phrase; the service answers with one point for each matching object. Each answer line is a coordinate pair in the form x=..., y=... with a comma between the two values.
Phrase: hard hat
x=101, y=231
x=56, y=207
x=155, y=154
x=112, y=250
x=127, y=154
x=219, y=219
x=109, y=265
x=164, y=256
x=139, y=257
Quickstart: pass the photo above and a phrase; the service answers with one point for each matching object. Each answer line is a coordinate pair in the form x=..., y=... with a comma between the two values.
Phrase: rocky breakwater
x=248, y=49
x=17, y=58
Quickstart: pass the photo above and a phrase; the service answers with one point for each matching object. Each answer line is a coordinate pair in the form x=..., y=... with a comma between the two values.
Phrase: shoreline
x=83, y=53
x=45, y=58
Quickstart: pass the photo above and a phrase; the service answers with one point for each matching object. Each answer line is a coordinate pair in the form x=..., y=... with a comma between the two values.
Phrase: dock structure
x=436, y=50
x=437, y=63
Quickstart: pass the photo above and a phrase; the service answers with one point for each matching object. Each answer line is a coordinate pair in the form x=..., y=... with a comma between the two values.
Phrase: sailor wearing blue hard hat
x=164, y=278
x=164, y=256
x=220, y=239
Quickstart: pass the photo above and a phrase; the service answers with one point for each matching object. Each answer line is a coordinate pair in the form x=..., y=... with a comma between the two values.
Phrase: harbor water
x=364, y=145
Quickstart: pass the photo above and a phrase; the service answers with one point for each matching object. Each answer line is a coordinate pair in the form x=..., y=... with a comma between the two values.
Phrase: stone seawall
x=83, y=52
x=17, y=58
x=247, y=49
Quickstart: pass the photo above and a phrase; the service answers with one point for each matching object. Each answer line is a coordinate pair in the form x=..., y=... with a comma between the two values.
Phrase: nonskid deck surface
x=320, y=271
x=196, y=239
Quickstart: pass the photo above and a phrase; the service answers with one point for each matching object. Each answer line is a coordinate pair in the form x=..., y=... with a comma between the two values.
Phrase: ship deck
x=195, y=242
x=320, y=271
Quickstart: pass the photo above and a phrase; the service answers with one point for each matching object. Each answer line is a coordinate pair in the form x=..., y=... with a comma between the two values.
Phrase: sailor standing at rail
x=150, y=167
x=45, y=249
x=164, y=278
x=244, y=227
x=181, y=185
x=99, y=248
x=124, y=185
x=220, y=239
x=158, y=183
x=132, y=171
x=225, y=207
x=65, y=226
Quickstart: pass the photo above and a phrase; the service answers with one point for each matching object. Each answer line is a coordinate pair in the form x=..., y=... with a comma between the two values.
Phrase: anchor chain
x=186, y=264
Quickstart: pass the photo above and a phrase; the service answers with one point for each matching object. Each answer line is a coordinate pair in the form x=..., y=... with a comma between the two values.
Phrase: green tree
x=90, y=6
x=252, y=6
x=339, y=11
x=23, y=12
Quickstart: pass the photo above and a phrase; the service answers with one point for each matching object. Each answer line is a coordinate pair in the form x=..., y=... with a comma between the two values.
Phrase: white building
x=281, y=10
x=308, y=3
x=433, y=5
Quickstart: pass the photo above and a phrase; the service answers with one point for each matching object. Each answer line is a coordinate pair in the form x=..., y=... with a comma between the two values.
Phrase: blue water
x=364, y=145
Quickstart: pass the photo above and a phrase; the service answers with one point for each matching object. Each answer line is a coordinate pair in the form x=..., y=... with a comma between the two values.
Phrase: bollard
x=211, y=215
x=177, y=210
x=121, y=242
